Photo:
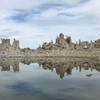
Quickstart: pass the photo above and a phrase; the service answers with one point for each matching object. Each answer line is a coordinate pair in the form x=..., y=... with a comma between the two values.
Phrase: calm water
x=31, y=80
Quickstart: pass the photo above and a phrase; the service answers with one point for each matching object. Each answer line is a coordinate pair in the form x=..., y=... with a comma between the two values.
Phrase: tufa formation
x=63, y=42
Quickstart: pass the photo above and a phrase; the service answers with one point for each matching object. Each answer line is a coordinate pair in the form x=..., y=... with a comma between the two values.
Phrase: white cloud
x=71, y=1
x=45, y=24
x=17, y=4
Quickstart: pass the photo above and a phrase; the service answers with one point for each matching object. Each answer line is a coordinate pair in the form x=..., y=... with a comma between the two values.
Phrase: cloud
x=36, y=21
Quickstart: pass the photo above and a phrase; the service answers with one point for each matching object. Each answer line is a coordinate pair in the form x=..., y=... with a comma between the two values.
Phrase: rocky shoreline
x=62, y=47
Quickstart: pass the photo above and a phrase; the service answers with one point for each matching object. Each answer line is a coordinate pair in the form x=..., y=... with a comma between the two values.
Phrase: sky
x=33, y=22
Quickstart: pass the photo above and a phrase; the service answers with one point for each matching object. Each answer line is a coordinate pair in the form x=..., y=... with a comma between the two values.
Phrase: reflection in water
x=61, y=68
x=35, y=80
x=6, y=65
x=66, y=68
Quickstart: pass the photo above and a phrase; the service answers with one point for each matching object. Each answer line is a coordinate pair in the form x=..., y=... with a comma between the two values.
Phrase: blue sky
x=36, y=21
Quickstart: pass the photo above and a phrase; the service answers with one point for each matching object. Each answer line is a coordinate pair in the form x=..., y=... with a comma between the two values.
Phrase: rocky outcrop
x=60, y=43
x=8, y=49
x=63, y=46
x=6, y=45
x=63, y=42
x=97, y=43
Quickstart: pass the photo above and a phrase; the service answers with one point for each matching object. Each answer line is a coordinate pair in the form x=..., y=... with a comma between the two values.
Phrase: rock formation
x=63, y=42
x=63, y=46
x=6, y=45
x=97, y=43
x=6, y=48
x=60, y=43
x=15, y=44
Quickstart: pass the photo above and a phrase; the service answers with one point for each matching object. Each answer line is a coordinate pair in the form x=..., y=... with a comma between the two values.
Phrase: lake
x=25, y=79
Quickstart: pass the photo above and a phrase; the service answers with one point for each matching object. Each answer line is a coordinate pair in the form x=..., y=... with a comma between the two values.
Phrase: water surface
x=49, y=80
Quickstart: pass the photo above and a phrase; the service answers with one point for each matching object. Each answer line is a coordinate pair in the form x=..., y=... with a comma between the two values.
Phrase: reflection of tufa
x=60, y=66
x=89, y=75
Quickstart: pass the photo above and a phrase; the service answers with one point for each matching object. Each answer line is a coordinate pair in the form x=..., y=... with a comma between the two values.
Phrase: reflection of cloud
x=34, y=83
